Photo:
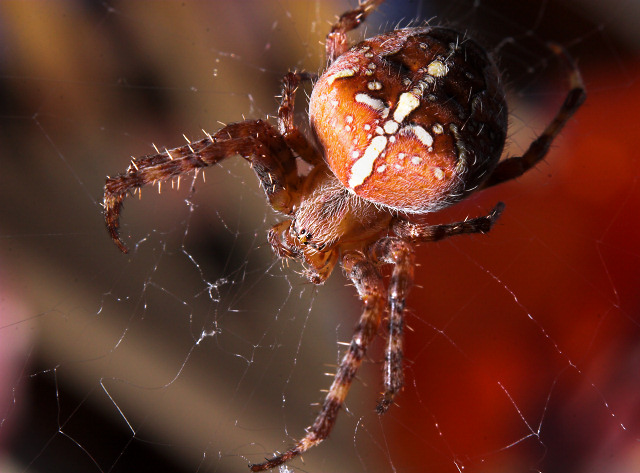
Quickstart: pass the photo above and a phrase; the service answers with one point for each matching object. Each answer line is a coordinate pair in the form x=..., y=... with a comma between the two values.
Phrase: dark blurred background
x=198, y=351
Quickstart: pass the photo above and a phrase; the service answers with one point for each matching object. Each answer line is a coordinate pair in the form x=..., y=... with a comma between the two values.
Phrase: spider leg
x=420, y=232
x=256, y=141
x=370, y=288
x=336, y=43
x=292, y=135
x=516, y=166
x=399, y=253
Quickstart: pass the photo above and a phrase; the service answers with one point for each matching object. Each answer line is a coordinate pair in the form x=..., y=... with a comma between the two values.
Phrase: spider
x=405, y=123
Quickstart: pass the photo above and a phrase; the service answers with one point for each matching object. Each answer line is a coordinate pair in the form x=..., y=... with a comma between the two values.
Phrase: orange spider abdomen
x=413, y=119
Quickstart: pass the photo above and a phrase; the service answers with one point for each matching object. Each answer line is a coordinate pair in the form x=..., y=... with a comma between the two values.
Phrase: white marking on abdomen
x=371, y=102
x=363, y=167
x=437, y=69
x=341, y=74
x=407, y=103
x=423, y=135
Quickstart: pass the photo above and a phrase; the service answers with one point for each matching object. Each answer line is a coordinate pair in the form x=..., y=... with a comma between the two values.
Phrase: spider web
x=199, y=351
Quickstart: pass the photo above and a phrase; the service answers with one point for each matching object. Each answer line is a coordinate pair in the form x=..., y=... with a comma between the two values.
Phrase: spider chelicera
x=404, y=123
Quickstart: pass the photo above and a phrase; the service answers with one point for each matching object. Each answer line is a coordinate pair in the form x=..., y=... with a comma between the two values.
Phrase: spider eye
x=304, y=237
x=413, y=119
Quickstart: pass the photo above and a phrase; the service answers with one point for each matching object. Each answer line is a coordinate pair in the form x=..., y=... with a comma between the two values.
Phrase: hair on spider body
x=407, y=122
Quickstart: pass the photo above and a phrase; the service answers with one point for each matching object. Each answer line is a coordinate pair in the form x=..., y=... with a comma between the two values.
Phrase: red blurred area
x=535, y=362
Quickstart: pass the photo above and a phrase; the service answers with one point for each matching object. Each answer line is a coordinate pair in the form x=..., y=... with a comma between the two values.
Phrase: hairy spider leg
x=257, y=141
x=336, y=43
x=370, y=287
x=422, y=232
x=400, y=254
x=516, y=166
x=286, y=126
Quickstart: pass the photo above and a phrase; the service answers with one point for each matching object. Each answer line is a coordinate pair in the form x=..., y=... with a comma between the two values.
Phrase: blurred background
x=198, y=351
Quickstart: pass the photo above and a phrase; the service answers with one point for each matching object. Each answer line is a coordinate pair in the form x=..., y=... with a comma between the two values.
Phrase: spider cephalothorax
x=405, y=123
